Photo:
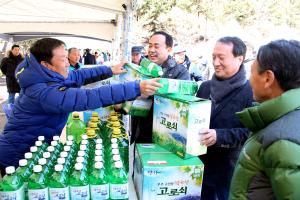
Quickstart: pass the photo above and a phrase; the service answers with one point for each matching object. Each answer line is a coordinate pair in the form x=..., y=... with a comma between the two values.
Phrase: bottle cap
x=160, y=73
x=58, y=168
x=37, y=168
x=41, y=138
x=46, y=155
x=23, y=162
x=114, y=140
x=61, y=161
x=54, y=143
x=99, y=146
x=56, y=138
x=116, y=157
x=28, y=155
x=78, y=166
x=98, y=159
x=69, y=143
x=42, y=161
x=84, y=137
x=115, y=151
x=33, y=149
x=63, y=154
x=50, y=149
x=82, y=147
x=38, y=143
x=80, y=159
x=114, y=118
x=95, y=114
x=118, y=164
x=99, y=141
x=67, y=148
x=114, y=146
x=81, y=153
x=10, y=170
x=98, y=165
x=70, y=138
x=98, y=152
x=75, y=115
x=84, y=142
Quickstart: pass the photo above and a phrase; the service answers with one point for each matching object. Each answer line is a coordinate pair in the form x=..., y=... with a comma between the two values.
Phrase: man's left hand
x=208, y=137
x=118, y=68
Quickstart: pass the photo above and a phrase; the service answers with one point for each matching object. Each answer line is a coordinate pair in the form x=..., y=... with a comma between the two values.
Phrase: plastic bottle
x=12, y=186
x=30, y=161
x=76, y=128
x=149, y=68
x=98, y=181
x=58, y=185
x=177, y=86
x=79, y=186
x=35, y=154
x=44, y=143
x=118, y=182
x=24, y=172
x=123, y=144
x=46, y=171
x=37, y=185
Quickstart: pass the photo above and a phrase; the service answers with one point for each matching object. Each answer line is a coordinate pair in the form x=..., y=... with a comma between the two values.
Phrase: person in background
x=74, y=57
x=160, y=48
x=181, y=58
x=269, y=166
x=99, y=58
x=229, y=92
x=8, y=67
x=89, y=59
x=49, y=92
x=136, y=54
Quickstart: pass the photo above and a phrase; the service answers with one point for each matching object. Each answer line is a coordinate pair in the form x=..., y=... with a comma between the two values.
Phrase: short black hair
x=14, y=46
x=72, y=48
x=169, y=38
x=42, y=49
x=282, y=57
x=239, y=47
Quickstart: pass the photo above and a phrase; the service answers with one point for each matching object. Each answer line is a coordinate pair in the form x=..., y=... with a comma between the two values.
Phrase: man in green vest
x=269, y=163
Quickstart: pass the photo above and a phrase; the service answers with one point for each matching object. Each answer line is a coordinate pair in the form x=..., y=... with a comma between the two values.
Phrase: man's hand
x=118, y=68
x=208, y=137
x=149, y=87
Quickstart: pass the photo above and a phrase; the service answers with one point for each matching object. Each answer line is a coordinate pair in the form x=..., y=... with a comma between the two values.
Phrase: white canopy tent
x=107, y=20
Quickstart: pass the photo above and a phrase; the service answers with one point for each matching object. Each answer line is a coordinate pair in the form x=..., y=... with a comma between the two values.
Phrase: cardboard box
x=161, y=175
x=177, y=121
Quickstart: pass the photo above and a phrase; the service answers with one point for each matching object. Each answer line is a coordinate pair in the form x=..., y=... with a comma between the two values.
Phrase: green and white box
x=177, y=121
x=161, y=175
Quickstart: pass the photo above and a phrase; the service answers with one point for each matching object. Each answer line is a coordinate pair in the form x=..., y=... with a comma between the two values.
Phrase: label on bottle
x=118, y=191
x=173, y=85
x=99, y=191
x=80, y=192
x=38, y=194
x=59, y=193
x=16, y=195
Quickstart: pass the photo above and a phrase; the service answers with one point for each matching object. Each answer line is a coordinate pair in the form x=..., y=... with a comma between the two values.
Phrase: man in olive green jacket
x=269, y=163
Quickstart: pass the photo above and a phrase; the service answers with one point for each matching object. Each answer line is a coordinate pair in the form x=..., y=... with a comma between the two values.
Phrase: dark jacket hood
x=31, y=72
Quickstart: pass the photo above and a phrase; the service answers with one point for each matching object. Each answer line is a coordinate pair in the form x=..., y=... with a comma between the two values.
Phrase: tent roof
x=89, y=18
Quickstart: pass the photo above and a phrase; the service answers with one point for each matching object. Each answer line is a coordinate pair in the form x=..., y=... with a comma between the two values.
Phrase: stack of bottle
x=94, y=168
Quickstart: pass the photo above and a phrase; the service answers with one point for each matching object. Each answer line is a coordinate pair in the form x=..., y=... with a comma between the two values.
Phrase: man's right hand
x=149, y=87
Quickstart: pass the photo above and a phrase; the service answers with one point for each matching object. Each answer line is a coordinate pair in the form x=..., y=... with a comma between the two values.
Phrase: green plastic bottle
x=29, y=158
x=46, y=170
x=57, y=139
x=12, y=186
x=37, y=185
x=36, y=155
x=79, y=184
x=177, y=86
x=150, y=68
x=24, y=172
x=76, y=128
x=99, y=186
x=58, y=185
x=44, y=143
x=118, y=182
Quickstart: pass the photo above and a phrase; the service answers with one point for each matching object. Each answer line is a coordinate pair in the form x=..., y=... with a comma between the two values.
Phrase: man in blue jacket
x=230, y=92
x=49, y=93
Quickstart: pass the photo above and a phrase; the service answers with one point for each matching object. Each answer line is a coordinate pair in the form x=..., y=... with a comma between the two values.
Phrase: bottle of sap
x=12, y=186
x=37, y=185
x=58, y=184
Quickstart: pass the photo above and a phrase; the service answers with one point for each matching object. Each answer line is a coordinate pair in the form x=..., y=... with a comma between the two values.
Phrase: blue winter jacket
x=47, y=98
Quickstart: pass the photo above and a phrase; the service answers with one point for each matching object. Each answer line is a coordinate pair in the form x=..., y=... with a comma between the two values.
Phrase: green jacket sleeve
x=282, y=166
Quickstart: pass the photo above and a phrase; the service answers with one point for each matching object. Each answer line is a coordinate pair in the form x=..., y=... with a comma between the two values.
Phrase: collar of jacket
x=258, y=117
x=170, y=62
